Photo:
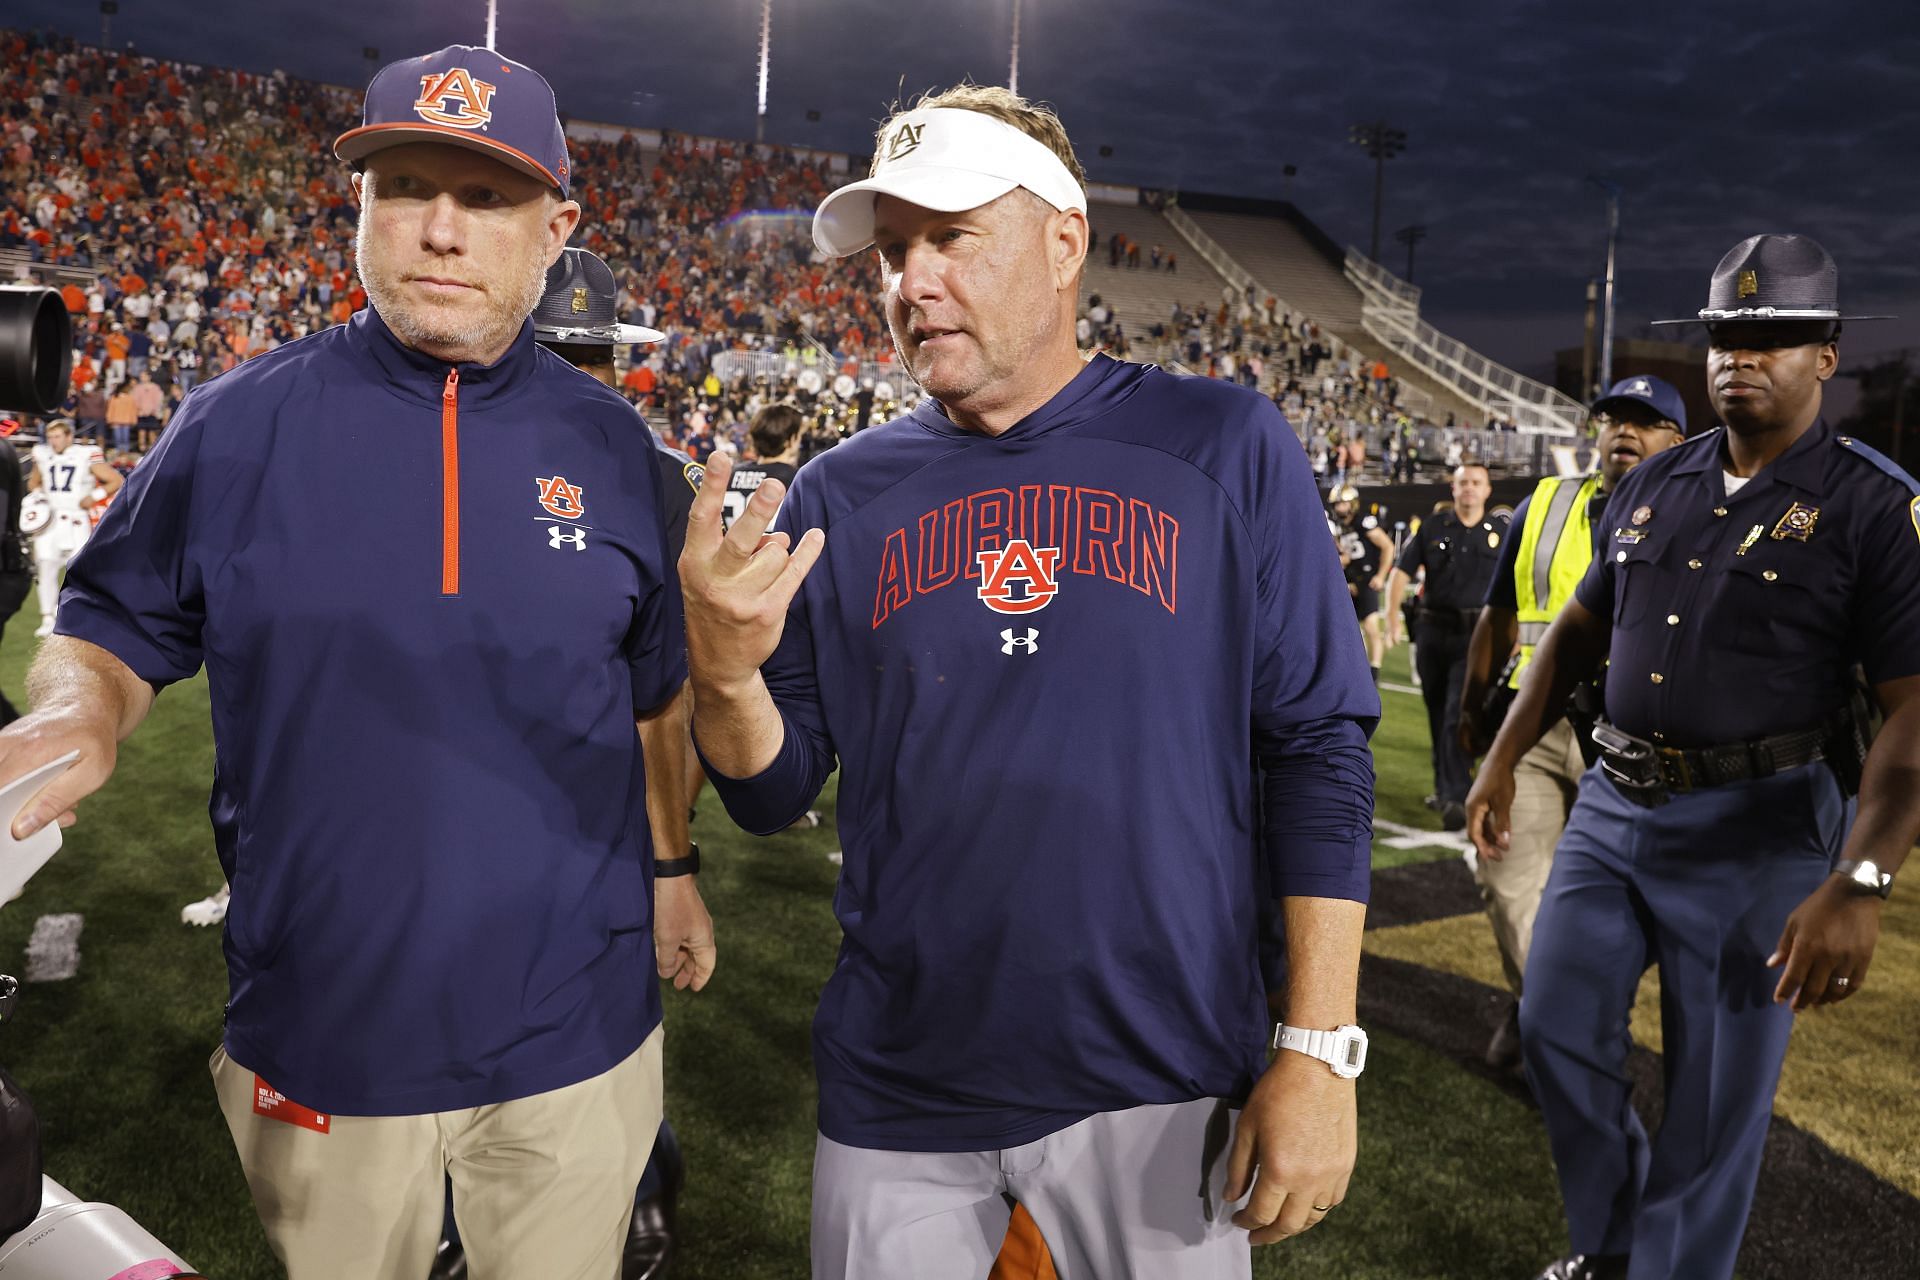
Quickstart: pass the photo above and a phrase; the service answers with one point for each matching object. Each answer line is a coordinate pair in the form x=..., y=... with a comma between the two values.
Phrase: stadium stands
x=195, y=218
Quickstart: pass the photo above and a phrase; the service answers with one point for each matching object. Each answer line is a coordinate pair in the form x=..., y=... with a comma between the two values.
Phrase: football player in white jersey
x=76, y=479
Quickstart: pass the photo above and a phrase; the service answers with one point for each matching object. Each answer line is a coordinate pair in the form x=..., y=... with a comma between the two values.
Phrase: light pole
x=766, y=65
x=1410, y=236
x=1612, y=190
x=1013, y=61
x=492, y=16
x=1383, y=143
x=107, y=9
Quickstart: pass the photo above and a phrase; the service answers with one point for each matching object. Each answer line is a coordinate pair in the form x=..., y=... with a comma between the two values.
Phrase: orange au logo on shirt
x=454, y=98
x=560, y=498
x=1019, y=578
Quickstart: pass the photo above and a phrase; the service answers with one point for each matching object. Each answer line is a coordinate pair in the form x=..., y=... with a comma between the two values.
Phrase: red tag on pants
x=271, y=1103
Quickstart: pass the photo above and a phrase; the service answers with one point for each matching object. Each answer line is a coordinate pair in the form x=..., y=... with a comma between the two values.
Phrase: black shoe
x=1453, y=817
x=1588, y=1266
x=449, y=1262
x=1503, y=1051
x=1432, y=802
x=650, y=1239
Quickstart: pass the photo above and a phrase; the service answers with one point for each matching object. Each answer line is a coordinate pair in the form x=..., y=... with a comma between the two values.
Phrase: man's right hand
x=737, y=584
x=43, y=736
x=1471, y=737
x=1490, y=810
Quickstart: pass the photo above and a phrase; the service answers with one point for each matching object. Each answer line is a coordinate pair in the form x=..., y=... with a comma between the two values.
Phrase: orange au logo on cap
x=904, y=140
x=1749, y=283
x=455, y=99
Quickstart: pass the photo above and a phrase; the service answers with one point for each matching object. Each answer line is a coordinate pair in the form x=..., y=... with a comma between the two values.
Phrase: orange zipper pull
x=450, y=484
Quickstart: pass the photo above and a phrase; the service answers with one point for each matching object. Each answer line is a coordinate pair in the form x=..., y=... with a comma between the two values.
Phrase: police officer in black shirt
x=1455, y=551
x=1746, y=574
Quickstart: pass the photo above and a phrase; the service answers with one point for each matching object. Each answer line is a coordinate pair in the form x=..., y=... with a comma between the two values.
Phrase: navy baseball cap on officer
x=578, y=306
x=468, y=97
x=1657, y=394
x=1774, y=277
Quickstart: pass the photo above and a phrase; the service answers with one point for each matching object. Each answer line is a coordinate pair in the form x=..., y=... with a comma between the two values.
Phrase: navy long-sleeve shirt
x=430, y=601
x=1046, y=663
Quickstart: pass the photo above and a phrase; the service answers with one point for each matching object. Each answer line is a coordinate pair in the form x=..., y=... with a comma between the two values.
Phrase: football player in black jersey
x=775, y=437
x=1365, y=550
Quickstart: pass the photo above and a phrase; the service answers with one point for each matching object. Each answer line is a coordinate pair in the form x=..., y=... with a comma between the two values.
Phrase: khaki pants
x=542, y=1186
x=1544, y=785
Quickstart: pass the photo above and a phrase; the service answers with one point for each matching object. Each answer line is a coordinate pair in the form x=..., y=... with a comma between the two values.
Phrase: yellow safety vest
x=1556, y=546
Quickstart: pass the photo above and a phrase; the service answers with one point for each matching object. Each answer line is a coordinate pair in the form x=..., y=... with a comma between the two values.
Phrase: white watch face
x=1350, y=1053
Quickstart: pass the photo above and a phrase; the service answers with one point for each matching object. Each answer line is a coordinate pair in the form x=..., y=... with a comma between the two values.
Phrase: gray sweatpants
x=1123, y=1195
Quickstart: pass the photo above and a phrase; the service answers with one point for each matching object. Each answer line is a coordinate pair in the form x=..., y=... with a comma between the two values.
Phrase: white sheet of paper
x=19, y=859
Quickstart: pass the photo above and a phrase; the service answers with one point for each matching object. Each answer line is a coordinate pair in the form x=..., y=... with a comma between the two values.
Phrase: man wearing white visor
x=1073, y=634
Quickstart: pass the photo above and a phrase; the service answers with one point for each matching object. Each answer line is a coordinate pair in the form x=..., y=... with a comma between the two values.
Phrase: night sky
x=1719, y=119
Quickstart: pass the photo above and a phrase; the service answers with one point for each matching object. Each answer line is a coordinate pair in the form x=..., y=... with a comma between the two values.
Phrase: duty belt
x=1647, y=774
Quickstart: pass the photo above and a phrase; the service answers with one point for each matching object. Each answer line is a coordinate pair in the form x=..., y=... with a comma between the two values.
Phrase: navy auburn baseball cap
x=1657, y=394
x=465, y=96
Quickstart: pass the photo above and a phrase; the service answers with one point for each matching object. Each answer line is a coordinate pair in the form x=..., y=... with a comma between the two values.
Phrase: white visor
x=948, y=159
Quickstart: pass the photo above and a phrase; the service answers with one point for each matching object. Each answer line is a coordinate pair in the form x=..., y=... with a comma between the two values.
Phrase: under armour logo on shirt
x=1030, y=642
x=556, y=535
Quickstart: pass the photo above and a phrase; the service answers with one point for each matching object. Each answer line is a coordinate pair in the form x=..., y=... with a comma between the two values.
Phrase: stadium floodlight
x=1383, y=142
x=1410, y=236
x=1013, y=59
x=766, y=64
x=1612, y=190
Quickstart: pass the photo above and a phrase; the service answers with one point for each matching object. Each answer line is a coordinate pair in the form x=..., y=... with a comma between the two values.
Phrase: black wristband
x=688, y=865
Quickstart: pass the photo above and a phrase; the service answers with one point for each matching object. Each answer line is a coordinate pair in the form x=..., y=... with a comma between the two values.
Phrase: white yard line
x=1400, y=688
x=53, y=952
x=1415, y=838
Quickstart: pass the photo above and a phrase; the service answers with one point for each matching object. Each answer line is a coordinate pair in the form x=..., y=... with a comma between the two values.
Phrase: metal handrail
x=1230, y=270
x=1390, y=312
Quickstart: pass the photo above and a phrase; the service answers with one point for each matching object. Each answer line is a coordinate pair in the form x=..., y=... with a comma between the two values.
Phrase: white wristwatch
x=1343, y=1049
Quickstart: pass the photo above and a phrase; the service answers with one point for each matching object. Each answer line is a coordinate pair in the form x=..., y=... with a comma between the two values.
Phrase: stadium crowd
x=194, y=218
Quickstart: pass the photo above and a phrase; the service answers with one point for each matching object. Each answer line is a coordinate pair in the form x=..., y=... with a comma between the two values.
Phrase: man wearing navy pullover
x=429, y=795
x=1047, y=624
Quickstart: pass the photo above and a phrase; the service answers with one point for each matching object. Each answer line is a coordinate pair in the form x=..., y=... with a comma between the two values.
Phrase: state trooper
x=1556, y=532
x=1745, y=575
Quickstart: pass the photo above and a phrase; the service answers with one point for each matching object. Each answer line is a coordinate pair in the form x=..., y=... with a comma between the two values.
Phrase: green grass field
x=1454, y=1178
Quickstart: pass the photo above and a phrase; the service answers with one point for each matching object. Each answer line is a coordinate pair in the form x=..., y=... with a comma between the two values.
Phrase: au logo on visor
x=905, y=139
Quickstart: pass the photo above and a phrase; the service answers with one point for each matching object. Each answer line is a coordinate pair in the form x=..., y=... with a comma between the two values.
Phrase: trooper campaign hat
x=1774, y=277
x=578, y=306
